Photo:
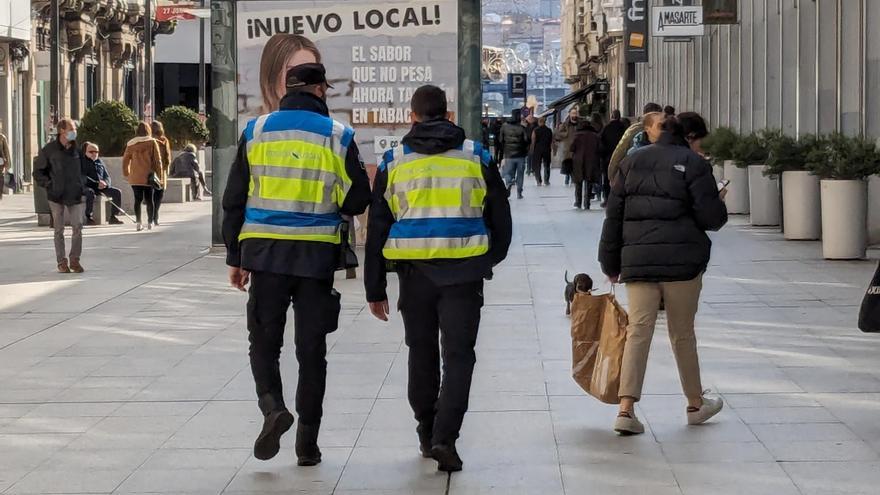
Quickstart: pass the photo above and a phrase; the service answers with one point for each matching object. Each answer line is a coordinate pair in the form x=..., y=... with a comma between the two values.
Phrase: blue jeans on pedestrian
x=515, y=169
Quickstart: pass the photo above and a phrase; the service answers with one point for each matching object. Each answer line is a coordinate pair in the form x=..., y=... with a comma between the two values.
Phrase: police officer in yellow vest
x=440, y=216
x=297, y=171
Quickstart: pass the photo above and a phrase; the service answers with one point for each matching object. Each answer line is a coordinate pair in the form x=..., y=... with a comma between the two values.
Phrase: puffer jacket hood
x=434, y=137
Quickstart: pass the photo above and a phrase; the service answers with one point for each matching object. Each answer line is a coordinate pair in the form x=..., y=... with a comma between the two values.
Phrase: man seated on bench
x=186, y=166
x=98, y=181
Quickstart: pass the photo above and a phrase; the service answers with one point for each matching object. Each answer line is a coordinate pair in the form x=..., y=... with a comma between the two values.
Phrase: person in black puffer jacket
x=515, y=143
x=662, y=202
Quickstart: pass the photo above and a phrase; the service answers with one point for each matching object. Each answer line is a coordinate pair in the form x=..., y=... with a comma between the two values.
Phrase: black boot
x=307, y=451
x=425, y=430
x=276, y=421
x=447, y=458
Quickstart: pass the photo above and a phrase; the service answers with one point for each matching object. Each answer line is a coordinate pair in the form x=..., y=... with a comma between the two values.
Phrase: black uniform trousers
x=316, y=313
x=452, y=313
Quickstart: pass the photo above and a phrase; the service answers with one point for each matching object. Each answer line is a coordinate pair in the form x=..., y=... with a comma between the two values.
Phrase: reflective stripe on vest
x=437, y=202
x=298, y=177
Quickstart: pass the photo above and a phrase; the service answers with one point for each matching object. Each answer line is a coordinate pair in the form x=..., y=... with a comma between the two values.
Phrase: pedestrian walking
x=585, y=171
x=515, y=143
x=165, y=154
x=541, y=151
x=142, y=166
x=609, y=138
x=98, y=183
x=530, y=123
x=442, y=246
x=562, y=139
x=58, y=170
x=626, y=141
x=665, y=198
x=652, y=128
x=285, y=239
x=498, y=150
x=186, y=166
x=5, y=160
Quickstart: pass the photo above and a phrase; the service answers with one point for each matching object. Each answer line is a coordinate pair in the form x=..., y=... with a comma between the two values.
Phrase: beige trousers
x=681, y=300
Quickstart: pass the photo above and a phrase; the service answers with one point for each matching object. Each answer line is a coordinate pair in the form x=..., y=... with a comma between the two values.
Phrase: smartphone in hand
x=722, y=185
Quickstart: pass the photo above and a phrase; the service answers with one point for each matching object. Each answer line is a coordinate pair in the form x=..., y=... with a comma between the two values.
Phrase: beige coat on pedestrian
x=141, y=157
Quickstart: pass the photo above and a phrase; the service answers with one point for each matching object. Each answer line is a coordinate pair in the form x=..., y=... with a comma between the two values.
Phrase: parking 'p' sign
x=517, y=85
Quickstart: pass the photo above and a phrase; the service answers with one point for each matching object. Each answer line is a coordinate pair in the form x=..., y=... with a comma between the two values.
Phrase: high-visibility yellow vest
x=437, y=202
x=298, y=178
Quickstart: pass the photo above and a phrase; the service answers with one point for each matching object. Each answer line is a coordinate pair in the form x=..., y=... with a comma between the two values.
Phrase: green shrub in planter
x=183, y=126
x=787, y=154
x=719, y=144
x=750, y=150
x=109, y=124
x=840, y=157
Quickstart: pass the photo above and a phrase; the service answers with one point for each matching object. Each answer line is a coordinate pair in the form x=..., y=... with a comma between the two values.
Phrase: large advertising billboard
x=376, y=53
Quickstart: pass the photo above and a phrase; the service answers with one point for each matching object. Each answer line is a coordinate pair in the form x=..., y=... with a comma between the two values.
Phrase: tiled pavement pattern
x=133, y=378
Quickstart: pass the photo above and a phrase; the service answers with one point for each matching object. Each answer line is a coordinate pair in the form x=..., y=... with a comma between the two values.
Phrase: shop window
x=91, y=85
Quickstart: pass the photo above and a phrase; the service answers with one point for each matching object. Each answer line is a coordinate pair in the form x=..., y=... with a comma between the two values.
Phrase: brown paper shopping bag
x=598, y=337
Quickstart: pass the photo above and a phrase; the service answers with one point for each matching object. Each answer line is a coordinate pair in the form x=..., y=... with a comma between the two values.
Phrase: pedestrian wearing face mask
x=57, y=169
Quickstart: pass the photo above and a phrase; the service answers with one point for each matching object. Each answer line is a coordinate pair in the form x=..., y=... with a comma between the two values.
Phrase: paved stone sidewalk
x=133, y=377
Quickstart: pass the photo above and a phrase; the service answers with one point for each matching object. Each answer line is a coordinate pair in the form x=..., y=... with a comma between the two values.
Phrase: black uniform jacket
x=662, y=203
x=299, y=258
x=433, y=138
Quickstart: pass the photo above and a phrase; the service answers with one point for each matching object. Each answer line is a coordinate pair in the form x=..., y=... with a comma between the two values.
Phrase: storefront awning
x=600, y=85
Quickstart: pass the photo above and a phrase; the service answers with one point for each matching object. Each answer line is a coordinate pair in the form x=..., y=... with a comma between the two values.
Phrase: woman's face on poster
x=298, y=57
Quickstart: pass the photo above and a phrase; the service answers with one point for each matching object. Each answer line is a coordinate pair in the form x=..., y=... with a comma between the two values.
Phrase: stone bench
x=177, y=191
x=100, y=214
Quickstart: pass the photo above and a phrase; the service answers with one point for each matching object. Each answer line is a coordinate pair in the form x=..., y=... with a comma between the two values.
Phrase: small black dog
x=581, y=283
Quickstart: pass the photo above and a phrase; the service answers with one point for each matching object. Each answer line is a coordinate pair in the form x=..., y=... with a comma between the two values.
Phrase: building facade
x=796, y=65
x=592, y=40
x=101, y=58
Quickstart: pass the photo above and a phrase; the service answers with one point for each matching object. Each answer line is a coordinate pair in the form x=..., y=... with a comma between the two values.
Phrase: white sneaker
x=710, y=408
x=140, y=227
x=628, y=425
x=149, y=226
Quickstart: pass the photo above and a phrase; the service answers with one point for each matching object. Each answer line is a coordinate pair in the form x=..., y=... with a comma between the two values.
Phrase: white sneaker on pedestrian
x=628, y=424
x=710, y=408
x=149, y=226
x=140, y=227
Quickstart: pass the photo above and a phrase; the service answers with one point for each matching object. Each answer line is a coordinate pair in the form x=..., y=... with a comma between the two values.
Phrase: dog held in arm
x=581, y=283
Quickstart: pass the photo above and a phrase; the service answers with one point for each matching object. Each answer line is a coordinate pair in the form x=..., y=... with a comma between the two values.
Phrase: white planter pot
x=718, y=172
x=844, y=219
x=738, y=191
x=801, y=206
x=763, y=197
x=874, y=210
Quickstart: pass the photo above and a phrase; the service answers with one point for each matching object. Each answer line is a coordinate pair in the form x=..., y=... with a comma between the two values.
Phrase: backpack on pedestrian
x=869, y=315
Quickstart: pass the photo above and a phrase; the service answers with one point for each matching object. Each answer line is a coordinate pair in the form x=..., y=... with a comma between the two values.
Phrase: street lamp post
x=148, y=61
x=54, y=61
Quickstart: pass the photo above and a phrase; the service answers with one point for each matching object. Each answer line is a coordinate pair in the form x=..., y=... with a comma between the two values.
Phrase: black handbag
x=869, y=315
x=153, y=180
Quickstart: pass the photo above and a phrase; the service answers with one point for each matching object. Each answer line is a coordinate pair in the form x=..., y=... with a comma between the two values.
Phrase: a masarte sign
x=678, y=21
x=376, y=56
